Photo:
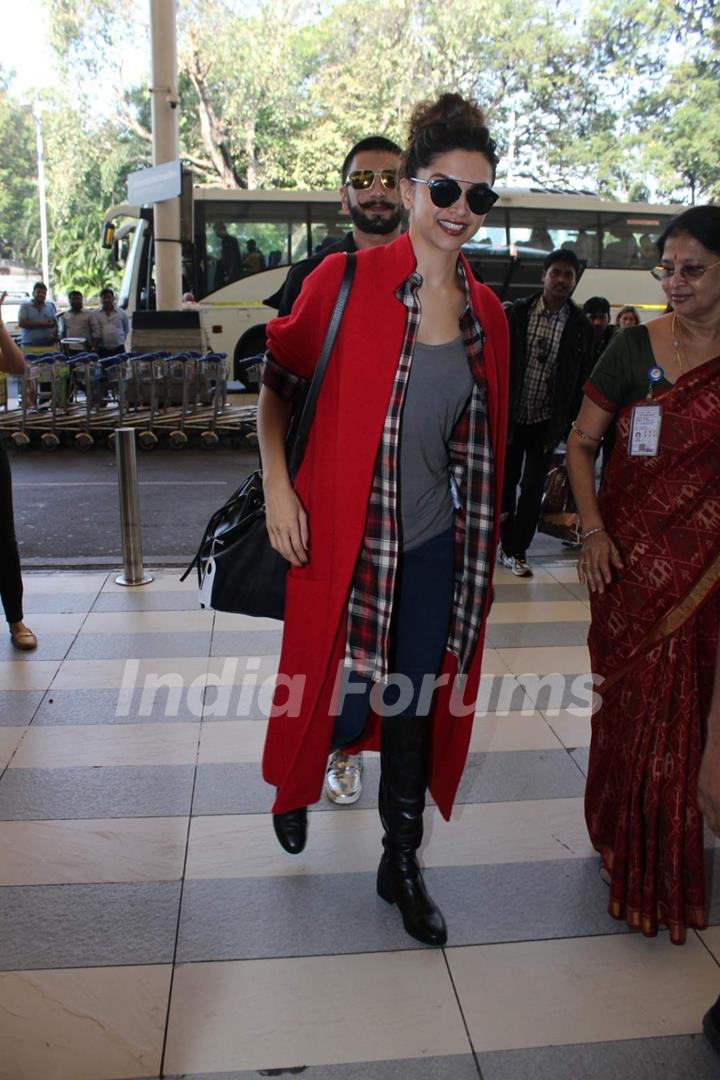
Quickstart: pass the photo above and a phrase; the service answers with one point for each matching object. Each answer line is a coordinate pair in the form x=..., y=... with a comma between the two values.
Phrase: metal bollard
x=133, y=573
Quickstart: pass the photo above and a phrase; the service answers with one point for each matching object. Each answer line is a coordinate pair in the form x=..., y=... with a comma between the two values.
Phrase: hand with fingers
x=598, y=558
x=287, y=523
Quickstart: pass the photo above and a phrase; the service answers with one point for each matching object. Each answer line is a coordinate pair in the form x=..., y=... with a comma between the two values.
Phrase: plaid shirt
x=545, y=329
x=373, y=585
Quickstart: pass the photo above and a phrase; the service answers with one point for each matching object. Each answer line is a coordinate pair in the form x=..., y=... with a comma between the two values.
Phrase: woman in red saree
x=651, y=559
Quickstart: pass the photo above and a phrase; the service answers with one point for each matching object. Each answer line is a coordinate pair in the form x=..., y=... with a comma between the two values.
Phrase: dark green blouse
x=620, y=376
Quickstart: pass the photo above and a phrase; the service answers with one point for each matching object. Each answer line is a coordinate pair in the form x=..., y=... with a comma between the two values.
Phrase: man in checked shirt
x=551, y=354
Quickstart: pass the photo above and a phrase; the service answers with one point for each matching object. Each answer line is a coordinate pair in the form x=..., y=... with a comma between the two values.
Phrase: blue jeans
x=418, y=638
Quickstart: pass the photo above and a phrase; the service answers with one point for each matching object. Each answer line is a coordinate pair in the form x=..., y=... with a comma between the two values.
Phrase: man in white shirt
x=76, y=323
x=109, y=326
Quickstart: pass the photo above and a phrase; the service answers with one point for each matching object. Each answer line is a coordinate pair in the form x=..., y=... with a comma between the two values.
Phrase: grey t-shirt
x=438, y=390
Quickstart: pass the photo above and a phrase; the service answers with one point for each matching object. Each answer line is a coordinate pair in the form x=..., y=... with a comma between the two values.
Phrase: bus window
x=328, y=226
x=489, y=237
x=629, y=240
x=536, y=231
x=237, y=239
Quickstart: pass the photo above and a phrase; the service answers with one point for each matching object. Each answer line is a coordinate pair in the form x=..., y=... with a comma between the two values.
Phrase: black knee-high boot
x=403, y=764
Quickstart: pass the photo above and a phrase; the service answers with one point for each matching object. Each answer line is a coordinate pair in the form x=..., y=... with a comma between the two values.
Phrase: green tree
x=19, y=205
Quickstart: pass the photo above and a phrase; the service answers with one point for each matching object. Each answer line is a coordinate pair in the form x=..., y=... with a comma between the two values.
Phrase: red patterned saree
x=653, y=641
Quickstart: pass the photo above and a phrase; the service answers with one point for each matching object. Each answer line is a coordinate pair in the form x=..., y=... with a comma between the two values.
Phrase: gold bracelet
x=591, y=532
x=584, y=434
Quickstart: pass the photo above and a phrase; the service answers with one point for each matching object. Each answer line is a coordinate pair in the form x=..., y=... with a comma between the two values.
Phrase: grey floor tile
x=527, y=635
x=580, y=592
x=17, y=707
x=497, y=777
x=299, y=915
x=507, y=776
x=132, y=646
x=101, y=707
x=240, y=789
x=246, y=643
x=50, y=647
x=147, y=600
x=454, y=1067
x=532, y=901
x=64, y=926
x=57, y=603
x=581, y=756
x=542, y=591
x=551, y=693
x=115, y=792
x=677, y=1057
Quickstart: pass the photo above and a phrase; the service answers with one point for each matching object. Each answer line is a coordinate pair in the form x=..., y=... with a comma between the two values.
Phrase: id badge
x=645, y=431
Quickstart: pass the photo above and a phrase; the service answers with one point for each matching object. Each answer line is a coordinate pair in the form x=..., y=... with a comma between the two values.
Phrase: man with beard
x=551, y=355
x=370, y=196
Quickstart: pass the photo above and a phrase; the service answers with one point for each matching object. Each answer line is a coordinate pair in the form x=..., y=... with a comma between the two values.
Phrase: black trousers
x=419, y=631
x=11, y=588
x=528, y=463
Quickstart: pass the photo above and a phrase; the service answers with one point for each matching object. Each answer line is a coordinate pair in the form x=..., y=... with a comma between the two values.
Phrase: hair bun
x=450, y=110
x=437, y=127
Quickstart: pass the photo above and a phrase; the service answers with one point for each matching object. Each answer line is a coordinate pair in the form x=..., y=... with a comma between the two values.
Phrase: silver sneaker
x=343, y=778
x=519, y=566
x=503, y=559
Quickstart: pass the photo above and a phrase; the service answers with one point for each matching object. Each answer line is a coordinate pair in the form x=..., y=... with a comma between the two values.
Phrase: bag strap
x=308, y=412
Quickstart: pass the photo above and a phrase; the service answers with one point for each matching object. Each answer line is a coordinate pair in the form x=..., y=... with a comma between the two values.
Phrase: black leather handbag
x=238, y=570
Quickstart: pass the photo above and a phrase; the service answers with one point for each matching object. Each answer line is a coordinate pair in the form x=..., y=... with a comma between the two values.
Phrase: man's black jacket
x=574, y=364
x=288, y=293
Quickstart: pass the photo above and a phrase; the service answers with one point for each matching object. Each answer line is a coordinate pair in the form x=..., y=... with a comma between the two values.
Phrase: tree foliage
x=621, y=97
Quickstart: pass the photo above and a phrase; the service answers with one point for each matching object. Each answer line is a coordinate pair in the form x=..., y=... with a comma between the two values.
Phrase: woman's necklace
x=677, y=343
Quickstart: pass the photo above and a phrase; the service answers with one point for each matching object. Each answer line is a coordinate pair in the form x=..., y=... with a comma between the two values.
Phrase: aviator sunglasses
x=363, y=179
x=444, y=192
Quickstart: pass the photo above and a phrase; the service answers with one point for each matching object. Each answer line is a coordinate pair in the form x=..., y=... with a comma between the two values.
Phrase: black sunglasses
x=444, y=192
x=362, y=179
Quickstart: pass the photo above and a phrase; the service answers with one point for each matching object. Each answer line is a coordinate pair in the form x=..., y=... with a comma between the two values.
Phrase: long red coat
x=334, y=484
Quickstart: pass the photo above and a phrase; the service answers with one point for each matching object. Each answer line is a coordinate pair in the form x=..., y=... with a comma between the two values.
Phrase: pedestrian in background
x=38, y=319
x=109, y=325
x=75, y=323
x=12, y=362
x=551, y=354
x=627, y=316
x=597, y=311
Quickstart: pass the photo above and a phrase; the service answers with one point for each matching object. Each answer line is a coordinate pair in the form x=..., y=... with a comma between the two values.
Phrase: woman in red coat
x=392, y=524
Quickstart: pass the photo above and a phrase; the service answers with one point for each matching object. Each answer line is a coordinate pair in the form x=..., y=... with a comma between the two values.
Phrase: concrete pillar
x=168, y=280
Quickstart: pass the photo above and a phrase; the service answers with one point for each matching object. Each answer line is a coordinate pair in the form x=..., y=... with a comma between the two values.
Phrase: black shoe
x=711, y=1025
x=291, y=829
x=400, y=881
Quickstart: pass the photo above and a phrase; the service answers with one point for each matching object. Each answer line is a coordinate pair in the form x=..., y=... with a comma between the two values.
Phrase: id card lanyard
x=646, y=421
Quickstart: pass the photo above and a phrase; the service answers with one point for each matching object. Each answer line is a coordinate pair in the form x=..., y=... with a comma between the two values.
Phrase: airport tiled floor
x=151, y=926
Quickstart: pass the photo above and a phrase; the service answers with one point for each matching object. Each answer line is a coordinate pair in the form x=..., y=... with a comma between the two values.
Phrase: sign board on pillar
x=155, y=185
